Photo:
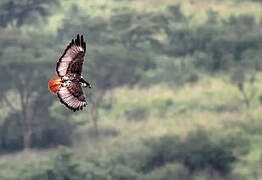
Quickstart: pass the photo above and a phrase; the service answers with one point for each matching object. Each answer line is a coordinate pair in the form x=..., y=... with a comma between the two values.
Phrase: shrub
x=11, y=134
x=63, y=166
x=121, y=163
x=168, y=171
x=198, y=151
x=162, y=150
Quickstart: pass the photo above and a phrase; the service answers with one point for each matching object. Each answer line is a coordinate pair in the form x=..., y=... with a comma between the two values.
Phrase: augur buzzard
x=68, y=87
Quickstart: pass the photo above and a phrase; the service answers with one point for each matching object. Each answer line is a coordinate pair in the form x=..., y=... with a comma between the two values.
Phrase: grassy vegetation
x=211, y=104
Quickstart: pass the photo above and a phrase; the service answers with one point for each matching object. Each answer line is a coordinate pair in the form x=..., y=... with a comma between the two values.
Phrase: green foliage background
x=177, y=90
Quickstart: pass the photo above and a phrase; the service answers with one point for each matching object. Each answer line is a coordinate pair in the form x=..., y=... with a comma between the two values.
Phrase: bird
x=69, y=83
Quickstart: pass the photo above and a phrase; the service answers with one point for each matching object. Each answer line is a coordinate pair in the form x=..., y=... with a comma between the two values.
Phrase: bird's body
x=68, y=86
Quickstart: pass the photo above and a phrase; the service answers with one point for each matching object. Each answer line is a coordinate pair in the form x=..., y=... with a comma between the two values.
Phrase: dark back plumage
x=73, y=57
x=69, y=69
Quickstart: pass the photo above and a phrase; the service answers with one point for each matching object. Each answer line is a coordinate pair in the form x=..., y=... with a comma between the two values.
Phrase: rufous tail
x=54, y=84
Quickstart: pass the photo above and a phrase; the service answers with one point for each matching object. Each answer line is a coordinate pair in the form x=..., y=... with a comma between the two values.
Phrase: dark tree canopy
x=24, y=11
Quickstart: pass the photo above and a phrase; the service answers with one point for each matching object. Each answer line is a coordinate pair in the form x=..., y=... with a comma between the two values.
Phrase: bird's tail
x=54, y=84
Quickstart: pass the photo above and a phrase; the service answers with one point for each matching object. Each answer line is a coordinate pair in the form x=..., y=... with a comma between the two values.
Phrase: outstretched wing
x=72, y=59
x=72, y=96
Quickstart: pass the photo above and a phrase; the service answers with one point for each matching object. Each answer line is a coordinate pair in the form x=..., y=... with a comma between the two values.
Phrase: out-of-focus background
x=177, y=90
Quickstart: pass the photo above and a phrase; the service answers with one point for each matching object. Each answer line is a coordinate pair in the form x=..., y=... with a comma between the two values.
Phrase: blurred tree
x=134, y=30
x=178, y=35
x=245, y=84
x=212, y=17
x=11, y=134
x=22, y=12
x=25, y=80
x=169, y=171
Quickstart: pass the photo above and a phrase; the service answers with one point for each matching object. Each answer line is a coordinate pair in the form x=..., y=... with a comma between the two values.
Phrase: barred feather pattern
x=73, y=57
x=69, y=70
x=74, y=103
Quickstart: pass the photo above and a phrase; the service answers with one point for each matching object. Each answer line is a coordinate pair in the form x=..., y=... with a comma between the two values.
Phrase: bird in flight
x=68, y=85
